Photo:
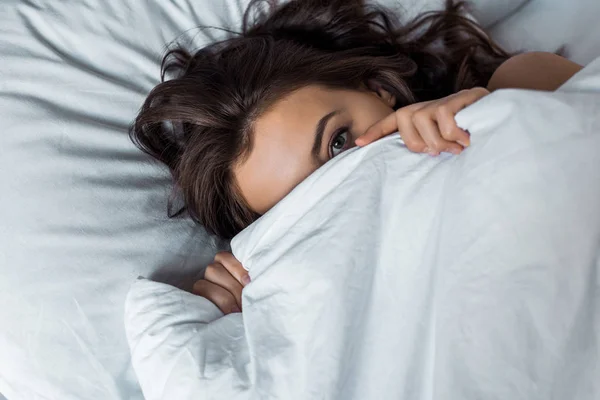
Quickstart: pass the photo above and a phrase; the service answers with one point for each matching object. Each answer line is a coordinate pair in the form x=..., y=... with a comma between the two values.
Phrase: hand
x=223, y=282
x=428, y=127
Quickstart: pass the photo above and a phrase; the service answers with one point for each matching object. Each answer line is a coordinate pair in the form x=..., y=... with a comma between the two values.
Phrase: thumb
x=378, y=130
x=233, y=266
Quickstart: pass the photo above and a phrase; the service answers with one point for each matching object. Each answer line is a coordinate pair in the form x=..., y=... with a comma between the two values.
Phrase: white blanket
x=389, y=275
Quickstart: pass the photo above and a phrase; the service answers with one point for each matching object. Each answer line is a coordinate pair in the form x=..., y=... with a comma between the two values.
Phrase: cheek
x=287, y=174
x=278, y=184
x=268, y=177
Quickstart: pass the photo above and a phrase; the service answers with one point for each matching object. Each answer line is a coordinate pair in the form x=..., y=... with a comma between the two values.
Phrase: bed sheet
x=82, y=211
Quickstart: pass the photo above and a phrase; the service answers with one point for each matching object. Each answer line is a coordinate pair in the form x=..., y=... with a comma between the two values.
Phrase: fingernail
x=426, y=150
x=455, y=151
x=463, y=143
x=235, y=309
x=246, y=280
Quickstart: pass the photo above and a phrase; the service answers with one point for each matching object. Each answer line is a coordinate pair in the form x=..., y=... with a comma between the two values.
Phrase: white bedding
x=82, y=211
x=389, y=275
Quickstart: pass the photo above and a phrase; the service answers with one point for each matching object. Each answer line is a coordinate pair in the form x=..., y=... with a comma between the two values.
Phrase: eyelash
x=335, y=135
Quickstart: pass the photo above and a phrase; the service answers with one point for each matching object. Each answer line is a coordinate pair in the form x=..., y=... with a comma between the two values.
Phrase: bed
x=84, y=213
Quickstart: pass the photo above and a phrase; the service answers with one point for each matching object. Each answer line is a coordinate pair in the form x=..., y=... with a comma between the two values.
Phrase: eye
x=339, y=143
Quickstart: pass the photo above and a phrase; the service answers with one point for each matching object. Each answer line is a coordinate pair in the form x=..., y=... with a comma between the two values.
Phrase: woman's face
x=300, y=133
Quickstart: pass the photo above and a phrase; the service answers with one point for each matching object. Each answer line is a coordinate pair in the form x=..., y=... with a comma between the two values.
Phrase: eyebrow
x=319, y=132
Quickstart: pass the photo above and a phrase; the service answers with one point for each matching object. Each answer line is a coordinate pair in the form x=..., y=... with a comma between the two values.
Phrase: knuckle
x=409, y=109
x=450, y=135
x=211, y=270
x=413, y=144
x=404, y=114
x=220, y=256
x=419, y=115
x=438, y=144
x=199, y=287
x=404, y=119
x=443, y=109
x=432, y=105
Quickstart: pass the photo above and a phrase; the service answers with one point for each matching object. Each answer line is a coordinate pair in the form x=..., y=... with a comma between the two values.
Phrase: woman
x=246, y=120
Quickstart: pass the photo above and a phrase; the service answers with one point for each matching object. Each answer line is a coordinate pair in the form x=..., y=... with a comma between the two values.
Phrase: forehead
x=283, y=137
x=300, y=104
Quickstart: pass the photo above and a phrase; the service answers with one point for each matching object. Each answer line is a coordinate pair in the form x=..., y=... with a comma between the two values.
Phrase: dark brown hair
x=200, y=123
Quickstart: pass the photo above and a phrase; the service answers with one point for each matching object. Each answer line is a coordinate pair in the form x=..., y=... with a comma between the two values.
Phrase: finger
x=217, y=274
x=234, y=267
x=448, y=128
x=445, y=114
x=429, y=131
x=465, y=98
x=380, y=129
x=389, y=124
x=217, y=295
x=410, y=135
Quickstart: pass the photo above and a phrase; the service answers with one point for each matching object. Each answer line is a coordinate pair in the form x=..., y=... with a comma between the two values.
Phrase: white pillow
x=550, y=25
x=489, y=12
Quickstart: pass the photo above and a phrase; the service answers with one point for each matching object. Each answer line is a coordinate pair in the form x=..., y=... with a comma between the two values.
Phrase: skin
x=284, y=137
